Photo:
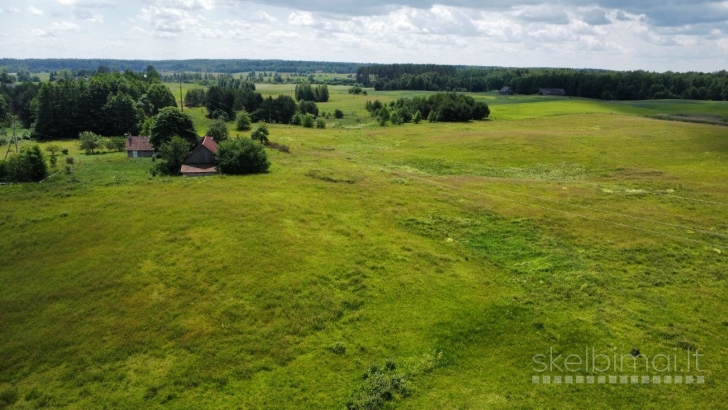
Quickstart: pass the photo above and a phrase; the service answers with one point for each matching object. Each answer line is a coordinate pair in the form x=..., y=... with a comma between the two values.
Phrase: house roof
x=210, y=144
x=138, y=144
x=199, y=169
x=504, y=89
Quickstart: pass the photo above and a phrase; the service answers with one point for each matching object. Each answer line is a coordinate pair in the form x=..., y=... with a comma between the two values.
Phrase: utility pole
x=181, y=100
x=15, y=138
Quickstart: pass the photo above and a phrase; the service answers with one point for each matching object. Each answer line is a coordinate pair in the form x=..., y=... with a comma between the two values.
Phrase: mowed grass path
x=563, y=225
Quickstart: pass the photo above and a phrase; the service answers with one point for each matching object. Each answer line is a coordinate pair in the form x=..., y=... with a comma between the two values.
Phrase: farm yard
x=437, y=259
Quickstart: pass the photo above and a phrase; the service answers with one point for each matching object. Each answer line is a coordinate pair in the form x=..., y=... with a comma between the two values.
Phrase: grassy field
x=445, y=255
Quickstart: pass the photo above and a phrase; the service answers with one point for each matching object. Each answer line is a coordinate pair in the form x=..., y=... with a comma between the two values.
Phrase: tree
x=88, y=141
x=396, y=118
x=171, y=155
x=27, y=166
x=170, y=122
x=218, y=131
x=242, y=121
x=260, y=134
x=308, y=121
x=308, y=107
x=4, y=112
x=159, y=96
x=115, y=143
x=338, y=114
x=417, y=118
x=121, y=115
x=53, y=148
x=242, y=156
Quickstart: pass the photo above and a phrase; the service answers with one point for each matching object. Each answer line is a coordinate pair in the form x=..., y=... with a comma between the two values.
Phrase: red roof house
x=201, y=161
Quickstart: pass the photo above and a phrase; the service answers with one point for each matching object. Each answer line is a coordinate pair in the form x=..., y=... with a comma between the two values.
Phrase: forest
x=597, y=84
x=199, y=65
x=106, y=104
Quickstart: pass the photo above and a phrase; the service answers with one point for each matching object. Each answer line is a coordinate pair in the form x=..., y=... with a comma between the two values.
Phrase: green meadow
x=436, y=259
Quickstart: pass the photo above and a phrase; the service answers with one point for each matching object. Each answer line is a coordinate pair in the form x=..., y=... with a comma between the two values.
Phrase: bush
x=218, y=131
x=243, y=121
x=417, y=118
x=69, y=160
x=64, y=151
x=242, y=156
x=308, y=107
x=27, y=166
x=338, y=114
x=338, y=349
x=296, y=120
x=171, y=155
x=3, y=171
x=89, y=142
x=261, y=134
x=320, y=123
x=308, y=121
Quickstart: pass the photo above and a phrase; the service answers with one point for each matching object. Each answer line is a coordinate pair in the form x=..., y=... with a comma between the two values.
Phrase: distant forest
x=202, y=66
x=598, y=84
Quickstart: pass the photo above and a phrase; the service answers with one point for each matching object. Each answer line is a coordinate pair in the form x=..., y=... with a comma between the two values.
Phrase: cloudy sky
x=657, y=35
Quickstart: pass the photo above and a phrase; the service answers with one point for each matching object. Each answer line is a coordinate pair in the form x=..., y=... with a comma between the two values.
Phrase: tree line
x=597, y=84
x=440, y=107
x=196, y=65
x=106, y=104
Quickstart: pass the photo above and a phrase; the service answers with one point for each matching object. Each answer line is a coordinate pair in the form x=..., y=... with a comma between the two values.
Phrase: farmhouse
x=506, y=91
x=201, y=161
x=552, y=91
x=139, y=147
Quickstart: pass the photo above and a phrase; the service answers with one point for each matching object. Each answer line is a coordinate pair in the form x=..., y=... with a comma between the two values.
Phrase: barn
x=201, y=160
x=506, y=91
x=552, y=91
x=139, y=147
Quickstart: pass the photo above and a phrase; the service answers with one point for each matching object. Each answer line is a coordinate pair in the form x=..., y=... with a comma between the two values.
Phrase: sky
x=654, y=35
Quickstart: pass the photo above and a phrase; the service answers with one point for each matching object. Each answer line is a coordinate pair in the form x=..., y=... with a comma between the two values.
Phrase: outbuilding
x=139, y=147
x=552, y=91
x=506, y=91
x=201, y=160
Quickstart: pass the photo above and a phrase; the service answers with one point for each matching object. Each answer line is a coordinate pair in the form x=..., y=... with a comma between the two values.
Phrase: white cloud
x=88, y=15
x=168, y=20
x=261, y=16
x=182, y=4
x=35, y=11
x=56, y=29
x=89, y=3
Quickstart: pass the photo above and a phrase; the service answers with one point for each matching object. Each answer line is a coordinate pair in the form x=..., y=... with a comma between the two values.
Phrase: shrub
x=308, y=121
x=417, y=118
x=218, y=131
x=3, y=171
x=338, y=349
x=242, y=156
x=69, y=160
x=64, y=151
x=381, y=385
x=260, y=134
x=296, y=120
x=27, y=166
x=320, y=123
x=308, y=107
x=243, y=121
x=171, y=155
x=338, y=114
x=89, y=142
